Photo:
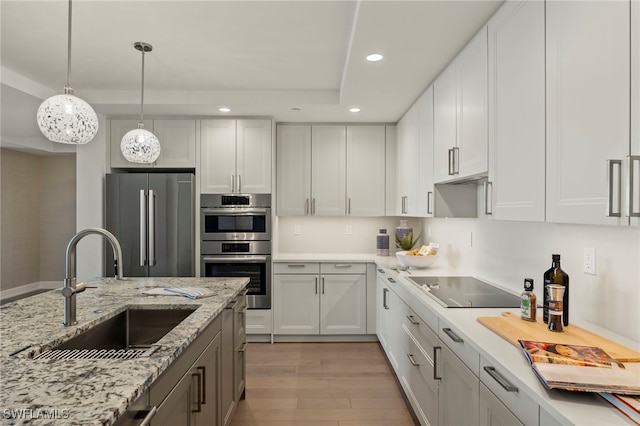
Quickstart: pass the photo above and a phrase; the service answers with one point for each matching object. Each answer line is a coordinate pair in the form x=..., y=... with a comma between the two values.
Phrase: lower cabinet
x=493, y=412
x=233, y=345
x=319, y=298
x=459, y=387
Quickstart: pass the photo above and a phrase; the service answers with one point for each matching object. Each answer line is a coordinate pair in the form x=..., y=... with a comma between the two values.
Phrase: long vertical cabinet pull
x=198, y=376
x=456, y=160
x=152, y=227
x=349, y=205
x=631, y=189
x=204, y=383
x=385, y=304
x=430, y=202
x=306, y=207
x=239, y=184
x=450, y=160
x=614, y=180
x=313, y=206
x=233, y=183
x=316, y=281
x=488, y=200
x=143, y=229
x=436, y=351
x=322, y=285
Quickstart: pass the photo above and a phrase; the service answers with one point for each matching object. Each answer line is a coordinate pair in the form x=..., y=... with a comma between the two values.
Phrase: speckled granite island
x=92, y=392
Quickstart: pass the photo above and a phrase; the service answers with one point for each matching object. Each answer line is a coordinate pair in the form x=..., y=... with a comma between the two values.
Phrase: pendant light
x=66, y=118
x=140, y=145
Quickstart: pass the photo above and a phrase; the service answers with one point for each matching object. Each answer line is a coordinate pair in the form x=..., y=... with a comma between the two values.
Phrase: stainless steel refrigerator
x=152, y=216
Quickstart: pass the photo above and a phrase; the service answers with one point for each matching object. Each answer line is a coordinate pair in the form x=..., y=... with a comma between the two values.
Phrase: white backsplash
x=504, y=253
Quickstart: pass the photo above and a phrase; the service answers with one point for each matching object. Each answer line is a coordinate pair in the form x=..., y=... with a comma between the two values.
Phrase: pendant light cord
x=69, y=49
x=142, y=91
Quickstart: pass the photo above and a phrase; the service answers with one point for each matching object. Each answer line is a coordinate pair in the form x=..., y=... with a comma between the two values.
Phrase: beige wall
x=38, y=216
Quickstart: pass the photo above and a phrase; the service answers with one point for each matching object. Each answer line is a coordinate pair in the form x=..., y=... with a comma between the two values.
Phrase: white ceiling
x=260, y=58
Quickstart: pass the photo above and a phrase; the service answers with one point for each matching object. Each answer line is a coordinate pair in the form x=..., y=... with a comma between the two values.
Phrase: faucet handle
x=70, y=291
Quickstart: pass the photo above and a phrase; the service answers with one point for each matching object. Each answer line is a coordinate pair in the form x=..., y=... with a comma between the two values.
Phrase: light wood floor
x=320, y=384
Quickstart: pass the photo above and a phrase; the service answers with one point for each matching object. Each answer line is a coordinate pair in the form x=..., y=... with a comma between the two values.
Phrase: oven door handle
x=231, y=259
x=236, y=211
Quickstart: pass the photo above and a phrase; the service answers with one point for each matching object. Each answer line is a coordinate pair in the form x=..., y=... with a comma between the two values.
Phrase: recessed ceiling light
x=374, y=57
x=354, y=109
x=224, y=109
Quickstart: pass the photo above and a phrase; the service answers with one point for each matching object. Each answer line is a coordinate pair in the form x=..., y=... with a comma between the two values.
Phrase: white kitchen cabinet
x=516, y=187
x=366, y=170
x=259, y=321
x=177, y=143
x=406, y=163
x=388, y=323
x=633, y=207
x=460, y=114
x=588, y=110
x=331, y=170
x=319, y=298
x=493, y=412
x=459, y=387
x=293, y=170
x=328, y=170
x=235, y=156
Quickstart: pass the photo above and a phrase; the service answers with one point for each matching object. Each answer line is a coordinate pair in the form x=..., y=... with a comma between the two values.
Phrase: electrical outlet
x=349, y=230
x=296, y=229
x=589, y=260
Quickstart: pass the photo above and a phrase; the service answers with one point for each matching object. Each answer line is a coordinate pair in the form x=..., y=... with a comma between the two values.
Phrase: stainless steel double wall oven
x=235, y=241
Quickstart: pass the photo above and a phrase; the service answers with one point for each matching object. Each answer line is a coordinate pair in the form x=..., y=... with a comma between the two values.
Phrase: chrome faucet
x=70, y=286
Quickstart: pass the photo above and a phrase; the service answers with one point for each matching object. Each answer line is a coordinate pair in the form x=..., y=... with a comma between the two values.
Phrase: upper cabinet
x=177, y=143
x=407, y=162
x=460, y=114
x=633, y=207
x=588, y=111
x=516, y=186
x=235, y=156
x=330, y=170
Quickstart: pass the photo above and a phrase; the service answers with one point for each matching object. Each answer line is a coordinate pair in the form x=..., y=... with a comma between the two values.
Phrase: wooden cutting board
x=511, y=328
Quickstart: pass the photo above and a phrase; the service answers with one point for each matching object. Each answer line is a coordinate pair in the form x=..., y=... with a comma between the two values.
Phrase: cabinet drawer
x=343, y=268
x=296, y=268
x=457, y=343
x=422, y=334
x=493, y=412
x=501, y=383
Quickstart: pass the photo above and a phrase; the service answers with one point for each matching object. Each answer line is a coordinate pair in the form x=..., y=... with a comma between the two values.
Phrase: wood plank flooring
x=320, y=384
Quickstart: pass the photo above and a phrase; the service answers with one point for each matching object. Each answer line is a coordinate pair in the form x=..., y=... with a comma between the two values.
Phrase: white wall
x=91, y=166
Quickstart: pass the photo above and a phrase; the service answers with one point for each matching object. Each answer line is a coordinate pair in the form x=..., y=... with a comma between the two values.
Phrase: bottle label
x=525, y=308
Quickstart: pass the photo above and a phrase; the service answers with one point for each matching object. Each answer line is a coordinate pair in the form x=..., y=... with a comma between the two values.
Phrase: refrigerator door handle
x=152, y=227
x=143, y=229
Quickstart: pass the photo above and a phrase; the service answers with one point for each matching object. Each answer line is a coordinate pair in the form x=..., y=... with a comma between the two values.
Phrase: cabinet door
x=177, y=406
x=296, y=304
x=365, y=169
x=634, y=188
x=253, y=167
x=424, y=155
x=117, y=129
x=516, y=112
x=207, y=369
x=445, y=109
x=472, y=142
x=328, y=170
x=293, y=170
x=382, y=308
x=588, y=66
x=493, y=412
x=459, y=387
x=343, y=304
x=227, y=355
x=177, y=143
x=217, y=156
x=406, y=170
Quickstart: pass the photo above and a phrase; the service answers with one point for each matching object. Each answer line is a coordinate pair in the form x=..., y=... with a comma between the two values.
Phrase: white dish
x=418, y=262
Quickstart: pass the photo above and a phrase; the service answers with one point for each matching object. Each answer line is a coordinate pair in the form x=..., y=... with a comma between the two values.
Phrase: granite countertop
x=92, y=392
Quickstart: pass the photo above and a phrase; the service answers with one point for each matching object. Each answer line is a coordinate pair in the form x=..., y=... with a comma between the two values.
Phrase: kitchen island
x=90, y=391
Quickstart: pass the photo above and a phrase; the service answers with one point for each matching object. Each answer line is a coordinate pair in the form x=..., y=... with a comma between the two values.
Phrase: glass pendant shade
x=140, y=146
x=67, y=119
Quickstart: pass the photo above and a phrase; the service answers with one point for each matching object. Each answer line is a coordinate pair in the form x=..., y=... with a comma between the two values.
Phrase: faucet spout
x=70, y=286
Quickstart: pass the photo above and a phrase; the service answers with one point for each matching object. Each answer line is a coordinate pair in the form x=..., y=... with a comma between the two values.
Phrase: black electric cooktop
x=465, y=292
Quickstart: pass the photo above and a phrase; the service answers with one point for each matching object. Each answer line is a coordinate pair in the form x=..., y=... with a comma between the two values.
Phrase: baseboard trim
x=326, y=338
x=29, y=288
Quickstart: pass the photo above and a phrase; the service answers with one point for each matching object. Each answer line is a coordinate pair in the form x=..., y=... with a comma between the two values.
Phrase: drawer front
x=501, y=383
x=258, y=321
x=296, y=268
x=451, y=337
x=343, y=268
x=423, y=335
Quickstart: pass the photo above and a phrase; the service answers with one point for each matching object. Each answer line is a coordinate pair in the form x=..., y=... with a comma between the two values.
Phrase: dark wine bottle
x=555, y=275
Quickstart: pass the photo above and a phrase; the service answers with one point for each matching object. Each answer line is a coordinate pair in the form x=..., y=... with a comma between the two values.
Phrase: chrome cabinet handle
x=143, y=228
x=150, y=415
x=385, y=291
x=413, y=361
x=502, y=381
x=391, y=280
x=613, y=195
x=381, y=271
x=204, y=383
x=233, y=183
x=436, y=351
x=349, y=205
x=244, y=347
x=306, y=206
x=404, y=204
x=152, y=227
x=322, y=285
x=342, y=265
x=450, y=160
x=313, y=206
x=412, y=320
x=631, y=188
x=429, y=202
x=295, y=265
x=239, y=183
x=456, y=160
x=488, y=201
x=316, y=284
x=453, y=335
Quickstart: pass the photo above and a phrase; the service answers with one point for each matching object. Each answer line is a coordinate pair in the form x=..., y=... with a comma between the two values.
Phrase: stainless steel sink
x=127, y=335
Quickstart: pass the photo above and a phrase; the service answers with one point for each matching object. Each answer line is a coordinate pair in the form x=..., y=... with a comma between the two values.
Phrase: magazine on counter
x=581, y=368
x=629, y=405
